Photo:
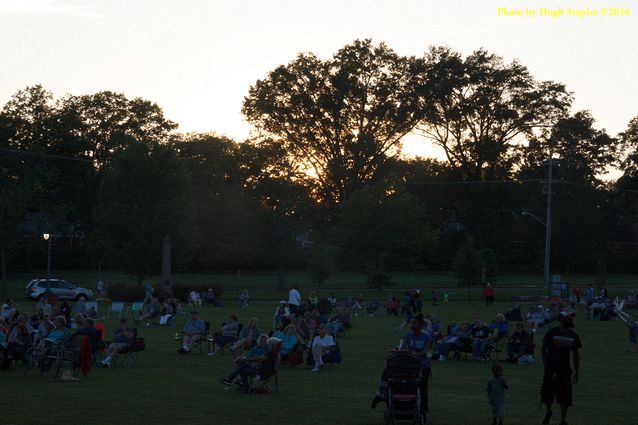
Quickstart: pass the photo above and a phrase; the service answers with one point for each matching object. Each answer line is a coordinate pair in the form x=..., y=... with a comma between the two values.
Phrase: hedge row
x=131, y=292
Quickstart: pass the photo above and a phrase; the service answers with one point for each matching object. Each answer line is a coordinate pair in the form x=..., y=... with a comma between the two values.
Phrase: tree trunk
x=280, y=232
x=3, y=270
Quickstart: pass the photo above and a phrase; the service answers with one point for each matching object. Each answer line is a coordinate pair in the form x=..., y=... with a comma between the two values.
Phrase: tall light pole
x=48, y=237
x=547, y=222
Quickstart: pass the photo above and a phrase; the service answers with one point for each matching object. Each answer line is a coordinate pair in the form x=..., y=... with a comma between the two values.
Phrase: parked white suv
x=58, y=287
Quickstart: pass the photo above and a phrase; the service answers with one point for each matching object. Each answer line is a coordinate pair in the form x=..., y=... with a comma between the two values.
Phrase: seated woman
x=20, y=340
x=122, y=338
x=500, y=326
x=458, y=337
x=59, y=335
x=261, y=365
x=281, y=318
x=519, y=343
x=167, y=315
x=418, y=343
x=289, y=342
x=45, y=327
x=247, y=337
x=306, y=328
x=322, y=345
x=227, y=334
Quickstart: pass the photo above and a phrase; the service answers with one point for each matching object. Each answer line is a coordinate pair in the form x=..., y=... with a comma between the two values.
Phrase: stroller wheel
x=388, y=417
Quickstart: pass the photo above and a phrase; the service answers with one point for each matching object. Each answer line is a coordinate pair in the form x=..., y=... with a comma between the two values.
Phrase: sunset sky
x=197, y=58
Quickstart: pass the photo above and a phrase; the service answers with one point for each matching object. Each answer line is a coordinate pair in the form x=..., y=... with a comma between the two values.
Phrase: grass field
x=170, y=389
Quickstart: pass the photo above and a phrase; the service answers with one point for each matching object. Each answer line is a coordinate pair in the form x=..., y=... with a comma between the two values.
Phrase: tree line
x=322, y=182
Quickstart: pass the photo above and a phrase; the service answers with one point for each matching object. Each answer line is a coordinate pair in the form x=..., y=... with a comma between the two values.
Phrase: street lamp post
x=547, y=223
x=48, y=237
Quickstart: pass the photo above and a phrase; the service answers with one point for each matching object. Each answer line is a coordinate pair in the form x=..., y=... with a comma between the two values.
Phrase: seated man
x=459, y=336
x=123, y=337
x=228, y=333
x=322, y=345
x=193, y=331
x=95, y=336
x=514, y=313
x=519, y=343
x=261, y=365
x=481, y=337
x=194, y=298
x=338, y=322
x=538, y=318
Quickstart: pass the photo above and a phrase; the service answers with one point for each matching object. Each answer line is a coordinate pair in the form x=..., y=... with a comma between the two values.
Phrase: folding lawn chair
x=115, y=307
x=128, y=356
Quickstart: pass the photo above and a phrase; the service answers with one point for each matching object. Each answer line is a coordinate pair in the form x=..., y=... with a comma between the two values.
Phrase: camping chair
x=128, y=356
x=231, y=343
x=203, y=339
x=136, y=309
x=91, y=305
x=116, y=307
x=67, y=352
x=270, y=383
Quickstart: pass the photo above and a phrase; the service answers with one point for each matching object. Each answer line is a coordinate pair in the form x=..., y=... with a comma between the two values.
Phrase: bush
x=127, y=292
x=181, y=292
x=131, y=292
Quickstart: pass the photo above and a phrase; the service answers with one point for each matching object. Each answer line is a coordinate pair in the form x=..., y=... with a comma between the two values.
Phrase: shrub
x=181, y=291
x=131, y=292
x=128, y=292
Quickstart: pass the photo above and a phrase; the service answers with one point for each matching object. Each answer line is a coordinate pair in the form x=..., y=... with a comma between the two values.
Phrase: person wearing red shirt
x=488, y=294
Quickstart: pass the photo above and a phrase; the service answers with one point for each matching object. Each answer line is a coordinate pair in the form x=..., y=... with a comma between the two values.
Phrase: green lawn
x=170, y=389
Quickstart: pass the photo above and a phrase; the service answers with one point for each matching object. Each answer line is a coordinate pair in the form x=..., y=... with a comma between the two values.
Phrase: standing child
x=496, y=394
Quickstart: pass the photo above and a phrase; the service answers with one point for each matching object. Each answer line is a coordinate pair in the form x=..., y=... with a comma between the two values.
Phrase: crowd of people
x=306, y=329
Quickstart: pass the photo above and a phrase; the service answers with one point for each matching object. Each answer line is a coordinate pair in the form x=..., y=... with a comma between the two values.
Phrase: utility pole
x=548, y=222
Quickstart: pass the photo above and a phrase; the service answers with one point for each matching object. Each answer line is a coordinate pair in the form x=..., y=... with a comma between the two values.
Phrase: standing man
x=294, y=301
x=148, y=288
x=558, y=344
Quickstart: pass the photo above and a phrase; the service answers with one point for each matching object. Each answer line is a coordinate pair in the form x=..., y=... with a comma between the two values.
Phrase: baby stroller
x=404, y=399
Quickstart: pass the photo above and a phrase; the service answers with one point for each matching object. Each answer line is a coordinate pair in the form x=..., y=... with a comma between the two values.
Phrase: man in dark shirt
x=558, y=377
x=481, y=336
x=519, y=343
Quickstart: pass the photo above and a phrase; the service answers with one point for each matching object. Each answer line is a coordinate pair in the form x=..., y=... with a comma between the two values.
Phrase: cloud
x=50, y=7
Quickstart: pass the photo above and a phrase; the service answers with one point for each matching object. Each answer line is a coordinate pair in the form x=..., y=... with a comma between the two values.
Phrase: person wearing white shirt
x=294, y=300
x=322, y=344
